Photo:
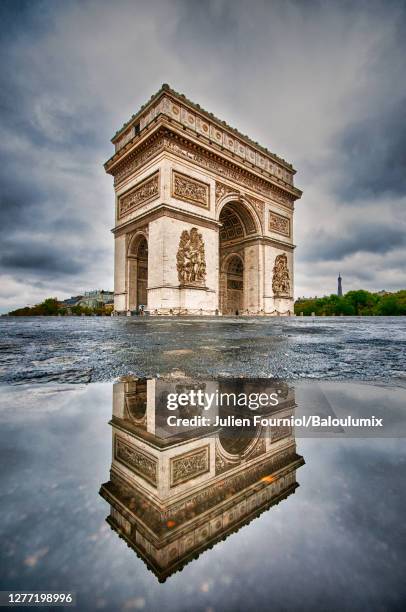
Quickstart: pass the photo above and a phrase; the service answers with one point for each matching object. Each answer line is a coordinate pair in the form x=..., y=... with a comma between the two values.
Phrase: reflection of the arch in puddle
x=174, y=492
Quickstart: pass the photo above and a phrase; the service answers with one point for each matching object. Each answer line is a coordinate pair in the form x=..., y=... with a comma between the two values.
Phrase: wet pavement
x=82, y=349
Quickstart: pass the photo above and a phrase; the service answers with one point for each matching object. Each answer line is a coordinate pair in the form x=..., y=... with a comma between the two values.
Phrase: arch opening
x=142, y=274
x=237, y=224
x=137, y=273
x=236, y=440
x=233, y=298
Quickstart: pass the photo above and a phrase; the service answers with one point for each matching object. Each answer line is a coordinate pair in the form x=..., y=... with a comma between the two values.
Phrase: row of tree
x=352, y=303
x=52, y=307
x=361, y=303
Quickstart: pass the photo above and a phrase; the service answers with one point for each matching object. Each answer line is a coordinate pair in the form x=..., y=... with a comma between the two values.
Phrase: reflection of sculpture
x=280, y=279
x=175, y=492
x=191, y=259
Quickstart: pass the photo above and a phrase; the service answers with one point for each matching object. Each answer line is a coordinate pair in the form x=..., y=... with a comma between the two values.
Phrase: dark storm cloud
x=18, y=203
x=374, y=156
x=365, y=238
x=41, y=259
x=209, y=19
x=48, y=122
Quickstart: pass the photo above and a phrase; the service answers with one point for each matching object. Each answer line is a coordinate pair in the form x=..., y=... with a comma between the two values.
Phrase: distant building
x=340, y=288
x=97, y=298
x=72, y=301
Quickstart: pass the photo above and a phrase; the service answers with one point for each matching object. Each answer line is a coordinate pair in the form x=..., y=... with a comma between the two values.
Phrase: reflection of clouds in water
x=32, y=560
x=138, y=603
x=357, y=400
x=31, y=402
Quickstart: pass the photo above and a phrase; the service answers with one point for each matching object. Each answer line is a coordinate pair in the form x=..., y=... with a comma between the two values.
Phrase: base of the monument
x=193, y=312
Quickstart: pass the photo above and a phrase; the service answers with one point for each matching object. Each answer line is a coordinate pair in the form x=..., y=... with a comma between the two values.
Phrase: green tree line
x=52, y=307
x=353, y=303
x=361, y=303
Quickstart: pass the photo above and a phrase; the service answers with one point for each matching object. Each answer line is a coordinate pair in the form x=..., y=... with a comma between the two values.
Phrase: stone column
x=252, y=278
x=120, y=271
x=131, y=282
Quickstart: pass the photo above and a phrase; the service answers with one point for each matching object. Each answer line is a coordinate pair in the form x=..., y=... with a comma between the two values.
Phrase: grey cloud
x=40, y=258
x=366, y=274
x=374, y=156
x=29, y=204
x=369, y=271
x=347, y=240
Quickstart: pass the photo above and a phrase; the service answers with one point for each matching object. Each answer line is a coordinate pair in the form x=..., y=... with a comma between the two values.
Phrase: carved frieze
x=223, y=190
x=259, y=448
x=190, y=190
x=280, y=196
x=279, y=224
x=259, y=207
x=280, y=278
x=229, y=171
x=140, y=463
x=170, y=142
x=222, y=464
x=138, y=158
x=189, y=465
x=226, y=487
x=141, y=194
x=191, y=258
x=280, y=432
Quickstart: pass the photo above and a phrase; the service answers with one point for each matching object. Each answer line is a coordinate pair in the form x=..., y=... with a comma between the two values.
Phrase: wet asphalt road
x=87, y=349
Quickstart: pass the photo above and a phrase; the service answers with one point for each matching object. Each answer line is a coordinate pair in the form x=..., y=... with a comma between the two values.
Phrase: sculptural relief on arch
x=204, y=216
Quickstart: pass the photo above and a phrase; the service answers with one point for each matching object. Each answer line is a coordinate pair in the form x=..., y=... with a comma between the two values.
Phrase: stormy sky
x=320, y=83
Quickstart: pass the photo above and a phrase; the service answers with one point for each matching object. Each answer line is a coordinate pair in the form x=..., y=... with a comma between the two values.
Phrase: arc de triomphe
x=204, y=216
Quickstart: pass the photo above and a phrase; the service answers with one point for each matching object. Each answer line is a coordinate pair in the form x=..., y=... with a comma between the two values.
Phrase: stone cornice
x=196, y=150
x=152, y=108
x=163, y=210
x=134, y=147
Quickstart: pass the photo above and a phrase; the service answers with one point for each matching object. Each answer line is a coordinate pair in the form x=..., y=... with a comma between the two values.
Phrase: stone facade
x=204, y=216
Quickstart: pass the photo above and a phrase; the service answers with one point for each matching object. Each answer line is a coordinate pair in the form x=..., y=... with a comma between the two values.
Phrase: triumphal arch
x=204, y=215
